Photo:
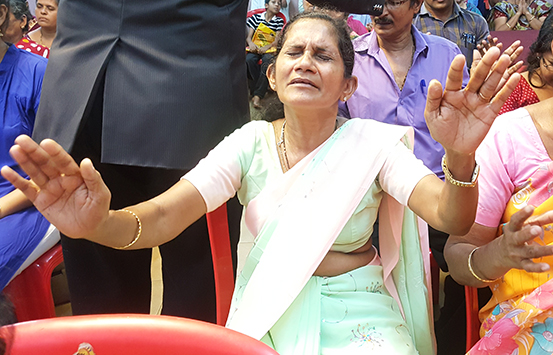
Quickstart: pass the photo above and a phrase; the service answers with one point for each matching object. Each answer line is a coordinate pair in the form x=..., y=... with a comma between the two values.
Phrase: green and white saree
x=381, y=308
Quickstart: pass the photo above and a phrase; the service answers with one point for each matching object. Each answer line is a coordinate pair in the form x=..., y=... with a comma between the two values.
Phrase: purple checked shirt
x=378, y=96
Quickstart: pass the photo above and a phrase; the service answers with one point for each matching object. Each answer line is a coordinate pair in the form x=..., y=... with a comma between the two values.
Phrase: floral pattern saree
x=518, y=319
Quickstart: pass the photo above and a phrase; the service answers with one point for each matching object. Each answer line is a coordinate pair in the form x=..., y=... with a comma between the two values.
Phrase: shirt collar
x=456, y=11
x=369, y=43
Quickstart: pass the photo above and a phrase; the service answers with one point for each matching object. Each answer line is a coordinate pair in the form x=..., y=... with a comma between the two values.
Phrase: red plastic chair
x=473, y=322
x=31, y=291
x=217, y=224
x=435, y=279
x=127, y=334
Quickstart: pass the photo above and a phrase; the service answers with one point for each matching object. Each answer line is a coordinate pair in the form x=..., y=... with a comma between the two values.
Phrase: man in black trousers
x=145, y=89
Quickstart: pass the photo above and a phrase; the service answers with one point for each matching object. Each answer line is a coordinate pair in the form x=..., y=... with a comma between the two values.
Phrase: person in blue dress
x=21, y=227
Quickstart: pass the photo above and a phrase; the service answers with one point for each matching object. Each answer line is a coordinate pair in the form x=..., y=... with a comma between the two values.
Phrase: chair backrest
x=526, y=39
x=473, y=322
x=217, y=224
x=127, y=334
x=31, y=291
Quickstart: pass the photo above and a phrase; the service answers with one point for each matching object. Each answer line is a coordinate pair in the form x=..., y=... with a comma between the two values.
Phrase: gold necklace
x=40, y=41
x=282, y=145
x=410, y=65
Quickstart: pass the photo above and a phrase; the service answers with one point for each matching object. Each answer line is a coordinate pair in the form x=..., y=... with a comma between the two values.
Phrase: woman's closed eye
x=294, y=53
x=324, y=57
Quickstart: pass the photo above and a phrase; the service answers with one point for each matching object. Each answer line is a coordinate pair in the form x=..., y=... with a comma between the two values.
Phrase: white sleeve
x=218, y=176
x=401, y=172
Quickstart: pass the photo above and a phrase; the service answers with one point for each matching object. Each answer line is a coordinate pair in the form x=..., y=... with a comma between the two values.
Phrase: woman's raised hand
x=74, y=199
x=458, y=118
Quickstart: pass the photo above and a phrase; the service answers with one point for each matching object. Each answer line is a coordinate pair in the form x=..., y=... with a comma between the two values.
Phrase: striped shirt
x=463, y=27
x=275, y=24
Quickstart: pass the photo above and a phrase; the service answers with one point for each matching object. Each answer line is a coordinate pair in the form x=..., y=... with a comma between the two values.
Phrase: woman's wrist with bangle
x=466, y=164
x=138, y=232
x=477, y=274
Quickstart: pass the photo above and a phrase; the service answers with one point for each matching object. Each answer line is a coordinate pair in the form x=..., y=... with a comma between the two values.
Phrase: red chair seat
x=127, y=334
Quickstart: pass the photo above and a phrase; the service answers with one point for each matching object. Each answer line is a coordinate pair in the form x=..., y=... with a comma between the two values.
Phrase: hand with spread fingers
x=73, y=198
x=517, y=246
x=513, y=51
x=460, y=118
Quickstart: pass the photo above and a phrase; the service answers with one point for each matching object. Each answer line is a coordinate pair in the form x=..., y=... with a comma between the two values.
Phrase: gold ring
x=487, y=99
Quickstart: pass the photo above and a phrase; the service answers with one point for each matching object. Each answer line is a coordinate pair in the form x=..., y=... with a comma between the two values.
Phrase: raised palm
x=73, y=198
x=459, y=119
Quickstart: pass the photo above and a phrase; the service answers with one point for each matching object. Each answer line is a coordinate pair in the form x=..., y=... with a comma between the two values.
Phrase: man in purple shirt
x=395, y=63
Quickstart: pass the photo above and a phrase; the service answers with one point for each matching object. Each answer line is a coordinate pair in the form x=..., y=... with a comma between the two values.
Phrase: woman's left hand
x=458, y=118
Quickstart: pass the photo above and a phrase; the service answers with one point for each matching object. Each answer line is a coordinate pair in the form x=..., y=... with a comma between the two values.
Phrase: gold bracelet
x=449, y=177
x=507, y=23
x=472, y=270
x=531, y=19
x=137, y=234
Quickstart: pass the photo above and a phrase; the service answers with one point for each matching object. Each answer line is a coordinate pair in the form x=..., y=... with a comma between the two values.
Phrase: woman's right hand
x=74, y=199
x=517, y=246
x=514, y=249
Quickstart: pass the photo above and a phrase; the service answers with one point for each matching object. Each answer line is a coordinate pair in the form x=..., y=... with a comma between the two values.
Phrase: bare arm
x=496, y=256
x=252, y=46
x=504, y=24
x=444, y=206
x=76, y=200
x=535, y=22
x=13, y=202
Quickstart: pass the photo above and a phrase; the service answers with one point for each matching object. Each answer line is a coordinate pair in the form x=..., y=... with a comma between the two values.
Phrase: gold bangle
x=507, y=23
x=449, y=177
x=533, y=17
x=137, y=233
x=469, y=262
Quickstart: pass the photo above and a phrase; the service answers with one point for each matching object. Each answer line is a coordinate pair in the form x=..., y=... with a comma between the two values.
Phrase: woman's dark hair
x=7, y=311
x=541, y=46
x=20, y=8
x=340, y=29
